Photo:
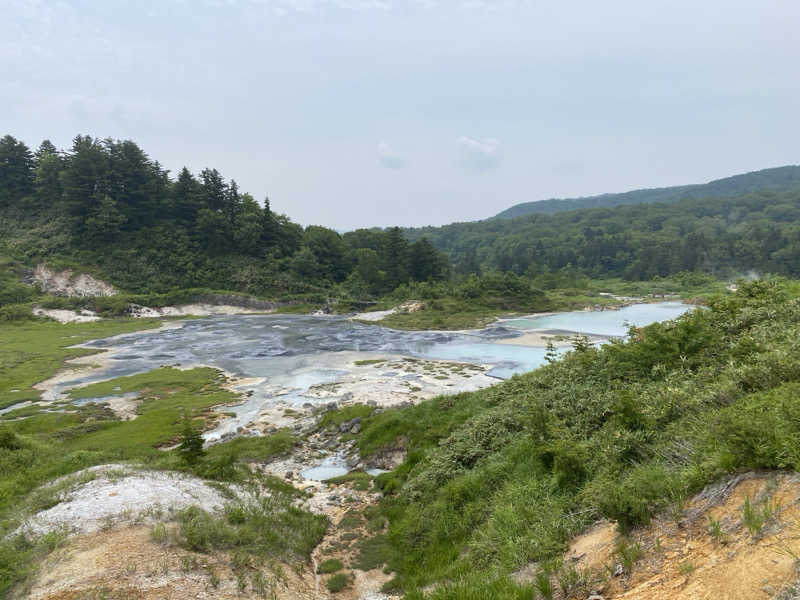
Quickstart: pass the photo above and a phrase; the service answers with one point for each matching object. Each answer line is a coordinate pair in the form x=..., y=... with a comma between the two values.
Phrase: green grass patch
x=351, y=520
x=445, y=314
x=255, y=449
x=33, y=351
x=167, y=394
x=373, y=552
x=361, y=481
x=270, y=528
x=345, y=413
x=336, y=583
x=331, y=565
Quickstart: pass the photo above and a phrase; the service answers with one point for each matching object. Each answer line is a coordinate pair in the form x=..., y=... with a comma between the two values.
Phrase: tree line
x=775, y=179
x=724, y=237
x=106, y=201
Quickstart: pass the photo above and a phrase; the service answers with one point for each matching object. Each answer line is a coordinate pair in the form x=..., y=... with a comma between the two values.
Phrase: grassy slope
x=500, y=478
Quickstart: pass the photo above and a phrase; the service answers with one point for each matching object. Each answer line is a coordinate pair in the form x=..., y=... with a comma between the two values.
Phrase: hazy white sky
x=354, y=113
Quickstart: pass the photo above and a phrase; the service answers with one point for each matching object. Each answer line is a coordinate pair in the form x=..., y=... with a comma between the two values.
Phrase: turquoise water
x=291, y=353
x=506, y=359
x=606, y=323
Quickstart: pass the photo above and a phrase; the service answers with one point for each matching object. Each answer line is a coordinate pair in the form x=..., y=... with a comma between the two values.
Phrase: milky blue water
x=297, y=352
x=607, y=323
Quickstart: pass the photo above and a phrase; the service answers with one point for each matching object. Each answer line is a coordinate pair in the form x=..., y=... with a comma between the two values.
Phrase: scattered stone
x=619, y=570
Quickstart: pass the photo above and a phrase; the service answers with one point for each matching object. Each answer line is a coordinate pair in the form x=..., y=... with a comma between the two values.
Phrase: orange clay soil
x=705, y=550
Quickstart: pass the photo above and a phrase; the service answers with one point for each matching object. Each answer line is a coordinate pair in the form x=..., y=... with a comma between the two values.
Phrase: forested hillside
x=775, y=179
x=106, y=204
x=725, y=237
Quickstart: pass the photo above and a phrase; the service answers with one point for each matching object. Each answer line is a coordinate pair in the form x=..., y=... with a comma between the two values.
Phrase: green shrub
x=190, y=448
x=336, y=583
x=271, y=527
x=330, y=565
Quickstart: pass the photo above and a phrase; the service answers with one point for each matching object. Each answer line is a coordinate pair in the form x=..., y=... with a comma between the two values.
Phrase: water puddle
x=332, y=466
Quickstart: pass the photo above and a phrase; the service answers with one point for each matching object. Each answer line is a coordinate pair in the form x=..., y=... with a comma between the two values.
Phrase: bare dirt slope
x=126, y=560
x=68, y=283
x=737, y=540
x=127, y=563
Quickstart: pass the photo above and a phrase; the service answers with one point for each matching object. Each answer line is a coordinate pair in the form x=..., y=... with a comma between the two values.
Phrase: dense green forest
x=107, y=204
x=725, y=237
x=747, y=183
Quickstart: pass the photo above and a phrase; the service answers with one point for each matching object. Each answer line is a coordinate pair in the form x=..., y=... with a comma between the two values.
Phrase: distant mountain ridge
x=729, y=186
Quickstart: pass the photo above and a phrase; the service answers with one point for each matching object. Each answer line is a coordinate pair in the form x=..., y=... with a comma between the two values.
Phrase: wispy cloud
x=479, y=154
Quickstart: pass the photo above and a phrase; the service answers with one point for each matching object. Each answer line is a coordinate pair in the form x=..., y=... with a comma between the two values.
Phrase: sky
x=361, y=113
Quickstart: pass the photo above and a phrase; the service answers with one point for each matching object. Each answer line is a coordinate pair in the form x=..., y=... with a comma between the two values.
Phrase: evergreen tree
x=16, y=171
x=46, y=148
x=85, y=180
x=48, y=192
x=214, y=190
x=248, y=230
x=104, y=221
x=425, y=262
x=233, y=202
x=185, y=199
x=190, y=448
x=214, y=230
x=132, y=182
x=269, y=226
x=395, y=257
